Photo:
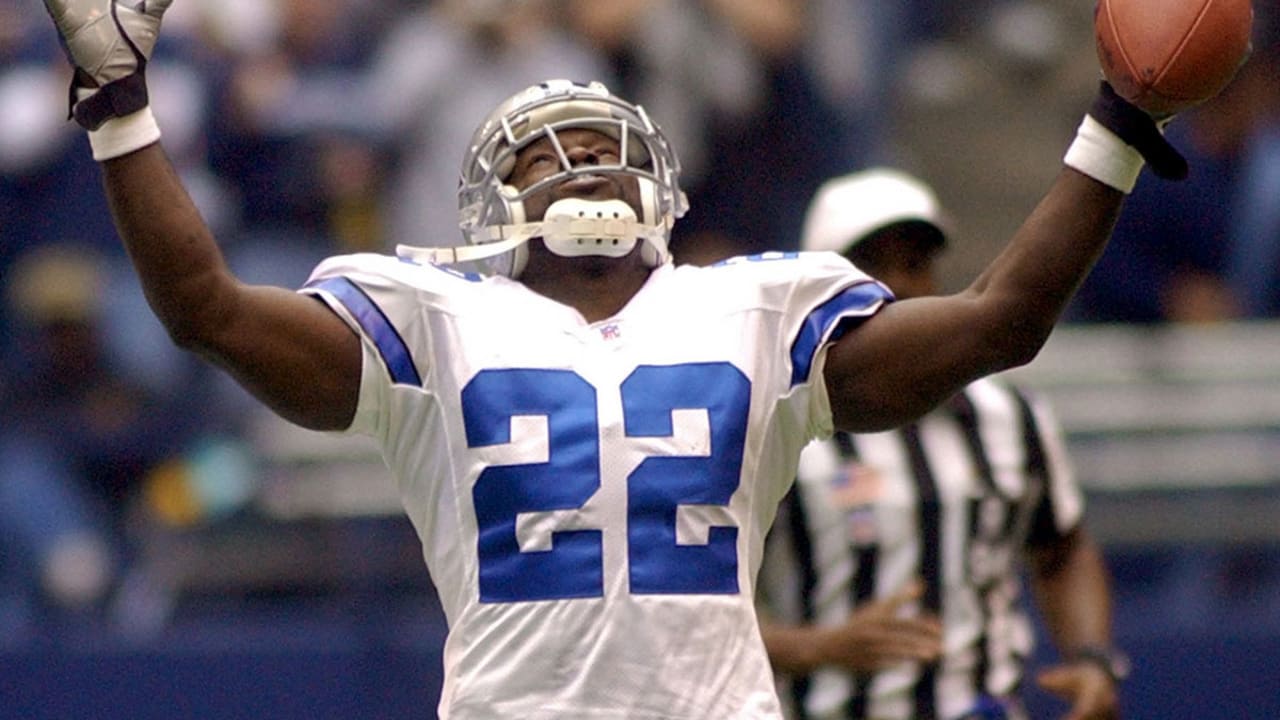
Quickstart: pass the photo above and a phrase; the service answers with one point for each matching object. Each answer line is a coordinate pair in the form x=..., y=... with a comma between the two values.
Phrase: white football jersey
x=593, y=498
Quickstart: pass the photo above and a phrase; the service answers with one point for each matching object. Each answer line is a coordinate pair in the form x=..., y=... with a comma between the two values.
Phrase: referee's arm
x=1073, y=592
x=1072, y=589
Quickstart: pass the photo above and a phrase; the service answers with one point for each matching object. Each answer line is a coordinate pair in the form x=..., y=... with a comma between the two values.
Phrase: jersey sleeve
x=832, y=298
x=377, y=298
x=814, y=298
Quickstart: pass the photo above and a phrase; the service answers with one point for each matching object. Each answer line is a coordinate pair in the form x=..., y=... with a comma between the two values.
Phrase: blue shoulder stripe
x=395, y=353
x=829, y=321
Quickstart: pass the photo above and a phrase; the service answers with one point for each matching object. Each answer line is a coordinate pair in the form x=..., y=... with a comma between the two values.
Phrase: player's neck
x=597, y=287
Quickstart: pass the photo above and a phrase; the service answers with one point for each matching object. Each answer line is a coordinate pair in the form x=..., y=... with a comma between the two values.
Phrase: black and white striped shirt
x=952, y=499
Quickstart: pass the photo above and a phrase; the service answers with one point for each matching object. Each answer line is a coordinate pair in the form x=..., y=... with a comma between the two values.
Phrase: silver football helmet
x=491, y=211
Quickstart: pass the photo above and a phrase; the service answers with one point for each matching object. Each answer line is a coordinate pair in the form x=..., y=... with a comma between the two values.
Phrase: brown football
x=1168, y=55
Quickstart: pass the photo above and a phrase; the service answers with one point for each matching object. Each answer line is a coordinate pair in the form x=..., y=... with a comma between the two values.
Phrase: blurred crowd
x=306, y=128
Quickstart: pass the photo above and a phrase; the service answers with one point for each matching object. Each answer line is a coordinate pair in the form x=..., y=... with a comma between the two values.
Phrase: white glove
x=109, y=43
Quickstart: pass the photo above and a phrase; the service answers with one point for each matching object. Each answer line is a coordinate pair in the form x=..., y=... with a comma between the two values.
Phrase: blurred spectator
x=77, y=435
x=90, y=456
x=1201, y=250
x=289, y=134
x=742, y=78
x=1253, y=269
x=438, y=69
x=49, y=187
x=939, y=51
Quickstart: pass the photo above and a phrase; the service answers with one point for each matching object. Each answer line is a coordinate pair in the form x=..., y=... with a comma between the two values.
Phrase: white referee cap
x=848, y=209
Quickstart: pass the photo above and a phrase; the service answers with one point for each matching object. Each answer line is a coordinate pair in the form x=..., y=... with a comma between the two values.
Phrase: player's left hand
x=109, y=42
x=1089, y=689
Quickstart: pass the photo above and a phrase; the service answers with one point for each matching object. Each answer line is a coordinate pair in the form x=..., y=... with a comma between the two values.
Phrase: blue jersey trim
x=831, y=320
x=395, y=353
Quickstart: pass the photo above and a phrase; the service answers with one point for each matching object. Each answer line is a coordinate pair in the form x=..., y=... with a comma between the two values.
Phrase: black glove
x=1140, y=131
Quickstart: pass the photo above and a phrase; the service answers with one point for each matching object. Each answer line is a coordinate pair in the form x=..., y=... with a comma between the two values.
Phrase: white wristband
x=122, y=135
x=1103, y=156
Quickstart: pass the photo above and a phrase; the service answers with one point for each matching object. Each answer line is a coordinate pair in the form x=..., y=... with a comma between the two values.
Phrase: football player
x=590, y=441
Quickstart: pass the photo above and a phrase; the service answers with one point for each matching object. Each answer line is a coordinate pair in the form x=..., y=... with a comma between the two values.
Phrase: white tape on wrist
x=1103, y=156
x=122, y=135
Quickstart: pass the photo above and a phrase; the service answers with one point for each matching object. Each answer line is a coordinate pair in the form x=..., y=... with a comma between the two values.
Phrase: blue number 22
x=573, y=567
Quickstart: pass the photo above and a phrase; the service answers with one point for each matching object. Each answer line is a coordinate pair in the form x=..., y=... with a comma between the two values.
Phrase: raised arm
x=915, y=353
x=288, y=350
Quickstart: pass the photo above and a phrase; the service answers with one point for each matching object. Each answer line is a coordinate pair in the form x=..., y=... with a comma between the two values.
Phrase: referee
x=891, y=579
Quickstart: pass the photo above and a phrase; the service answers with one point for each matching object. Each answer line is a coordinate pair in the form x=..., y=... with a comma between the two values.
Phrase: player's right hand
x=109, y=42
